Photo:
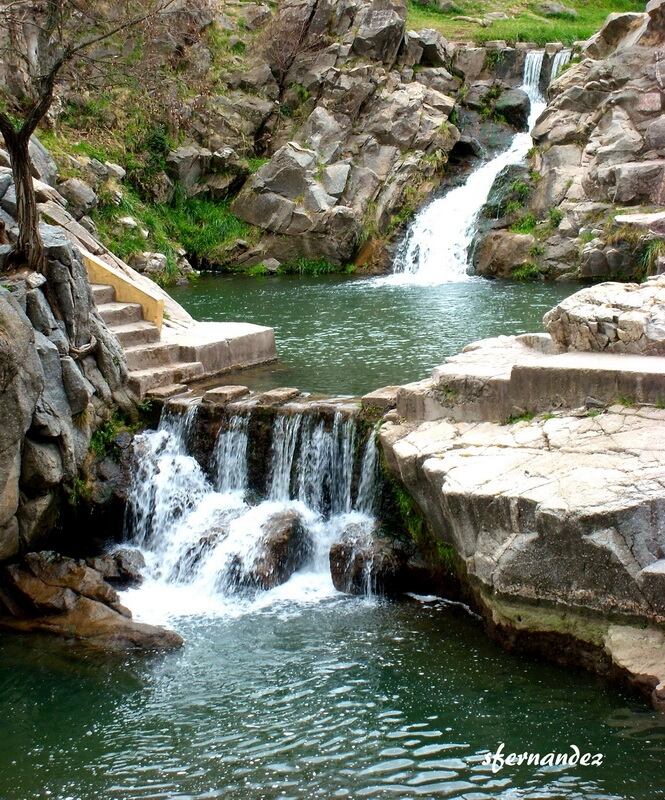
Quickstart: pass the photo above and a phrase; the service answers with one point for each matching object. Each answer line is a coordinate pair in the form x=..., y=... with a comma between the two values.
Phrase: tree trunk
x=29, y=248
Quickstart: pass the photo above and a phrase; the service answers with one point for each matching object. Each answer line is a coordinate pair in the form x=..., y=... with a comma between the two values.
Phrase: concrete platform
x=224, y=346
x=499, y=378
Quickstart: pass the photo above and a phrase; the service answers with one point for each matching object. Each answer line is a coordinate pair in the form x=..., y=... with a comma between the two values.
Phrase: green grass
x=527, y=416
x=203, y=228
x=527, y=224
x=318, y=266
x=527, y=26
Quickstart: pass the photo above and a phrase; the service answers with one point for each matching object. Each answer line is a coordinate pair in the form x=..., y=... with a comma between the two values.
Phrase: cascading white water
x=203, y=541
x=559, y=62
x=436, y=246
x=285, y=438
x=367, y=494
x=325, y=473
x=231, y=456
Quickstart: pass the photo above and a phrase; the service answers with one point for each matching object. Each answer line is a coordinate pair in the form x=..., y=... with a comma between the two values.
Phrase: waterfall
x=325, y=474
x=231, y=456
x=436, y=246
x=560, y=60
x=366, y=501
x=208, y=547
x=285, y=438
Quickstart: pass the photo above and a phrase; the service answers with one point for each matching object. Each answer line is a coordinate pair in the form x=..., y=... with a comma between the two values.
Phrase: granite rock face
x=366, y=127
x=63, y=374
x=539, y=460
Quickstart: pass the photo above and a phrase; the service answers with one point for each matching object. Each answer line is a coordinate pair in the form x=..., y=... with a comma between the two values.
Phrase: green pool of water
x=349, y=698
x=350, y=336
x=344, y=698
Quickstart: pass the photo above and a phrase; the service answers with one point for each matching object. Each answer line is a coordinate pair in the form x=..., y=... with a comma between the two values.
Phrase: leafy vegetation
x=527, y=416
x=203, y=228
x=317, y=266
x=525, y=26
x=525, y=224
x=526, y=272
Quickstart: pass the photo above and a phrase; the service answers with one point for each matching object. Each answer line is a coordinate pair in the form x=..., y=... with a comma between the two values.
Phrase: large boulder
x=50, y=593
x=500, y=253
x=362, y=563
x=285, y=547
x=514, y=106
x=81, y=197
x=121, y=567
x=613, y=318
x=21, y=385
x=380, y=30
x=617, y=28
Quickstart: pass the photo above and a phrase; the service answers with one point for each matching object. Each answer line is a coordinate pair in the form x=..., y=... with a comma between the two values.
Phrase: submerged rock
x=51, y=593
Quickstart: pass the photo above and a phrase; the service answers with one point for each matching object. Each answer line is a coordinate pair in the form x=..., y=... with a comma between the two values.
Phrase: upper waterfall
x=436, y=246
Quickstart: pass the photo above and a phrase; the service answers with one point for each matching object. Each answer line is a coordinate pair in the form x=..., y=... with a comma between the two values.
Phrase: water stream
x=436, y=246
x=207, y=537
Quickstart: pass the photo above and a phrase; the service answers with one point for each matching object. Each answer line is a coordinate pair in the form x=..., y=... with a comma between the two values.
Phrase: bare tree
x=44, y=43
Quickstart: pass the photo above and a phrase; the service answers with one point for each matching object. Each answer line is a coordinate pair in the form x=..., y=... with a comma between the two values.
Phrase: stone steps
x=120, y=313
x=154, y=354
x=153, y=365
x=136, y=333
x=103, y=294
x=142, y=381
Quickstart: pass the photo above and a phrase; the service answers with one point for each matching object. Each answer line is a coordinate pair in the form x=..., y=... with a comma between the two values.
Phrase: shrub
x=556, y=216
x=526, y=272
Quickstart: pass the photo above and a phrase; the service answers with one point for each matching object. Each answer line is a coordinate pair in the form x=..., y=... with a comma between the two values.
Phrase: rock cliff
x=596, y=179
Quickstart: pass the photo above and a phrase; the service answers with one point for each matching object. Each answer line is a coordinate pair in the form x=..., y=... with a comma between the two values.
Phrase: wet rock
x=361, y=564
x=50, y=593
x=500, y=253
x=286, y=546
x=515, y=107
x=122, y=567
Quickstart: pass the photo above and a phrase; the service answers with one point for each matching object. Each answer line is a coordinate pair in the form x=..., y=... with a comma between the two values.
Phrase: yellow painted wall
x=125, y=290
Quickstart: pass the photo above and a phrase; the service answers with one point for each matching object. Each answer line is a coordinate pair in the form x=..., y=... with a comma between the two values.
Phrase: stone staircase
x=153, y=365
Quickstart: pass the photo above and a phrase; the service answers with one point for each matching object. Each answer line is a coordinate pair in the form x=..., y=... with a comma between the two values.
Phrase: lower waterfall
x=436, y=246
x=213, y=545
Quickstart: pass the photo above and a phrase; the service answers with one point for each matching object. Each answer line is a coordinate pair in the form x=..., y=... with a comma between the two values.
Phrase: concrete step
x=102, y=293
x=115, y=314
x=141, y=381
x=162, y=393
x=156, y=354
x=136, y=333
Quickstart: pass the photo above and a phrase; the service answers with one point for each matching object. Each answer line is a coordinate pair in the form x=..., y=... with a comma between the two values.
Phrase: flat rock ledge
x=558, y=523
x=537, y=466
x=50, y=593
